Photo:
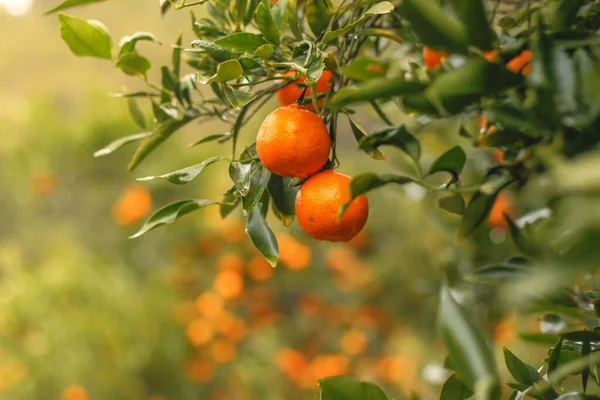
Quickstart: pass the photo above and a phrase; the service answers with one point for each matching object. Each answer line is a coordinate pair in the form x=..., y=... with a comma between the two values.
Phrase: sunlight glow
x=17, y=7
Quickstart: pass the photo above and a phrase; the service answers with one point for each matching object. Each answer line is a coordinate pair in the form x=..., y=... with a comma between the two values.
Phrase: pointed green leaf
x=136, y=114
x=133, y=64
x=453, y=203
x=349, y=388
x=218, y=53
x=283, y=197
x=231, y=199
x=522, y=372
x=364, y=68
x=266, y=25
x=471, y=356
x=453, y=91
x=259, y=178
x=318, y=15
x=495, y=274
x=292, y=14
x=473, y=16
x=397, y=136
x=434, y=26
x=452, y=161
x=120, y=142
x=85, y=37
x=176, y=57
x=237, y=98
x=385, y=7
x=359, y=134
x=265, y=52
x=172, y=212
x=240, y=174
x=454, y=389
x=226, y=71
x=185, y=175
x=477, y=211
x=127, y=44
x=260, y=233
x=243, y=42
x=211, y=138
x=70, y=4
x=373, y=90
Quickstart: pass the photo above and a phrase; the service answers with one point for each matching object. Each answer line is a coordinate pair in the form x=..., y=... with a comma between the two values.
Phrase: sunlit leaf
x=85, y=37
x=349, y=388
x=184, y=175
x=263, y=238
x=266, y=25
x=172, y=212
x=226, y=71
x=241, y=42
x=133, y=64
x=471, y=356
x=70, y=4
x=127, y=44
x=237, y=98
x=136, y=113
x=120, y=142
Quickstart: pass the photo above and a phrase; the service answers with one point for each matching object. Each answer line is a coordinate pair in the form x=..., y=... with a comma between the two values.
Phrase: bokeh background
x=191, y=311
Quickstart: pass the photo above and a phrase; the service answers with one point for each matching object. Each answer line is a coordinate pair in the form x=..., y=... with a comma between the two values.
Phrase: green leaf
x=364, y=183
x=553, y=73
x=211, y=138
x=452, y=161
x=185, y=175
x=542, y=338
x=554, y=357
x=259, y=178
x=522, y=372
x=217, y=53
x=231, y=199
x=243, y=42
x=472, y=358
x=520, y=239
x=164, y=130
x=240, y=174
x=453, y=203
x=266, y=25
x=283, y=196
x=85, y=38
x=134, y=94
x=397, y=136
x=265, y=52
x=292, y=16
x=566, y=13
x=513, y=138
x=120, y=142
x=237, y=98
x=70, y=4
x=133, y=64
x=385, y=7
x=136, y=114
x=176, y=57
x=172, y=212
x=260, y=233
x=364, y=68
x=454, y=389
x=477, y=211
x=127, y=44
x=318, y=15
x=453, y=91
x=373, y=90
x=314, y=72
x=349, y=388
x=495, y=274
x=226, y=71
x=581, y=336
x=585, y=374
x=434, y=26
x=473, y=16
x=359, y=133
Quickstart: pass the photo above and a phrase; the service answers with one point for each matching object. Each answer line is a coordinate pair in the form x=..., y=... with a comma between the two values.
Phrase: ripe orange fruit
x=521, y=62
x=317, y=204
x=293, y=141
x=199, y=332
x=501, y=205
x=229, y=284
x=491, y=55
x=291, y=93
x=433, y=58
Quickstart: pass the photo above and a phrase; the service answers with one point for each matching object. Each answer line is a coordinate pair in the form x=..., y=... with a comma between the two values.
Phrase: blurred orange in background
x=132, y=206
x=74, y=392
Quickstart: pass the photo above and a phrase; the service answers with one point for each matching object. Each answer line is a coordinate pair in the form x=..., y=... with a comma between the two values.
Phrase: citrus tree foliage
x=543, y=115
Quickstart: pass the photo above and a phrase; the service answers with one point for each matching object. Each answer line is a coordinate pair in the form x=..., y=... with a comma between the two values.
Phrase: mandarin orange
x=318, y=202
x=293, y=142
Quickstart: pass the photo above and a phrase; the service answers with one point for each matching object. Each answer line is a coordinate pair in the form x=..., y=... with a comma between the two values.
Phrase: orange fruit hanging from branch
x=293, y=142
x=318, y=202
x=291, y=93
